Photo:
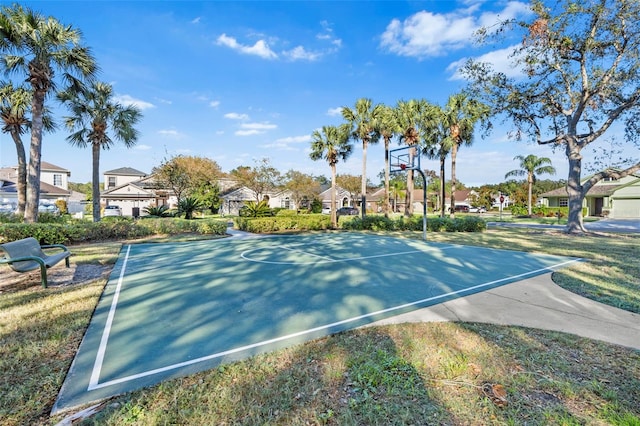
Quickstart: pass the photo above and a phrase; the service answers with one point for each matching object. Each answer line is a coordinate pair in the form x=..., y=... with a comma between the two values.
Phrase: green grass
x=431, y=373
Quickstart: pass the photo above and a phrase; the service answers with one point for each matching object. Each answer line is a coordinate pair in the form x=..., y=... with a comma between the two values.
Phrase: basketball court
x=169, y=310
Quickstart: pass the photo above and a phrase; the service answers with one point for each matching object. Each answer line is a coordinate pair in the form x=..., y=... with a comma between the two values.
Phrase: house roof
x=10, y=187
x=596, y=190
x=125, y=171
x=53, y=168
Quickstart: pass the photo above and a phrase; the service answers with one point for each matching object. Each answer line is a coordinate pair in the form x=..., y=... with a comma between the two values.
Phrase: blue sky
x=245, y=80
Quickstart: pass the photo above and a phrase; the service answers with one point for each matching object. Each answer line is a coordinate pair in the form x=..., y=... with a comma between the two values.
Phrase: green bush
x=255, y=209
x=414, y=223
x=109, y=229
x=306, y=222
x=519, y=210
x=285, y=212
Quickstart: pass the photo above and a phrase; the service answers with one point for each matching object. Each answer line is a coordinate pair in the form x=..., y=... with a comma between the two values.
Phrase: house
x=118, y=177
x=134, y=195
x=234, y=197
x=619, y=199
x=343, y=198
x=54, y=184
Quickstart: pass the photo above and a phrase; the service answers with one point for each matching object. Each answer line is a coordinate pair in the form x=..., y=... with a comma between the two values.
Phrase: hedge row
x=81, y=231
x=303, y=222
x=374, y=223
x=414, y=223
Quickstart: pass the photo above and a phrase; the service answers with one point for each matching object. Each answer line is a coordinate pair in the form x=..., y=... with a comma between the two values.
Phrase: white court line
x=308, y=254
x=319, y=328
x=97, y=366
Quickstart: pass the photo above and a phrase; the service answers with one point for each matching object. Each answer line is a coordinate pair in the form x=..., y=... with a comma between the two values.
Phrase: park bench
x=27, y=255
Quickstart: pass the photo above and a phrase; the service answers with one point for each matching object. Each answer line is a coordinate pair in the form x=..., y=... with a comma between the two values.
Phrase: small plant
x=157, y=211
x=255, y=209
x=189, y=205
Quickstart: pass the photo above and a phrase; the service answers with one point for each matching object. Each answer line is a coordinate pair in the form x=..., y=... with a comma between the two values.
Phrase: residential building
x=619, y=199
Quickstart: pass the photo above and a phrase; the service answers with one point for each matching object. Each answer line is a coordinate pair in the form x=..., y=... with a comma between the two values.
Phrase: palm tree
x=437, y=145
x=408, y=116
x=14, y=104
x=332, y=144
x=93, y=113
x=388, y=127
x=35, y=47
x=364, y=122
x=531, y=166
x=460, y=116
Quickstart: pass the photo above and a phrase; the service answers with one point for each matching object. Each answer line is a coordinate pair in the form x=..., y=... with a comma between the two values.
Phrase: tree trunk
x=454, y=153
x=334, y=218
x=386, y=178
x=443, y=195
x=530, y=184
x=574, y=189
x=363, y=201
x=95, y=181
x=35, y=158
x=21, y=186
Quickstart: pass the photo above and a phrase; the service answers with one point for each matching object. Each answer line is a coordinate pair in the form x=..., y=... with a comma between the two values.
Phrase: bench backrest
x=25, y=247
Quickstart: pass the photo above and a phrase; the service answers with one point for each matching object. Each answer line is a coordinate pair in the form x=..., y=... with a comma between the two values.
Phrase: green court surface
x=169, y=310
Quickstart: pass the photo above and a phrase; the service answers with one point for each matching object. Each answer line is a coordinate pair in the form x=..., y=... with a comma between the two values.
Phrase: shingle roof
x=125, y=171
x=603, y=190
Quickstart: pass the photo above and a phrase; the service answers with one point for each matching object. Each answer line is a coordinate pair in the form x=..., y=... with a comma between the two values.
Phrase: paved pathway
x=603, y=225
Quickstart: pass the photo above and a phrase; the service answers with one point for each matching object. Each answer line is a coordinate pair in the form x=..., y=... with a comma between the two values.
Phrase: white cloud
x=196, y=20
x=328, y=35
x=334, y=111
x=500, y=61
x=170, y=133
x=294, y=139
x=236, y=116
x=258, y=126
x=247, y=132
x=142, y=147
x=260, y=48
x=128, y=100
x=427, y=34
x=214, y=104
x=250, y=129
x=300, y=53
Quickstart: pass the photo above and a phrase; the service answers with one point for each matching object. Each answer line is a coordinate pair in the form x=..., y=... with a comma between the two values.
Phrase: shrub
x=307, y=222
x=114, y=228
x=414, y=223
x=188, y=206
x=159, y=211
x=254, y=209
x=519, y=210
x=286, y=212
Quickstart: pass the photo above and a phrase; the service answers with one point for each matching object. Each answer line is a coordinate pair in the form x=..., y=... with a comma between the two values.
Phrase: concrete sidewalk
x=537, y=303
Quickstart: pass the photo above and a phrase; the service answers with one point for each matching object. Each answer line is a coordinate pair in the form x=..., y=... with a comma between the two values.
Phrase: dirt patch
x=58, y=276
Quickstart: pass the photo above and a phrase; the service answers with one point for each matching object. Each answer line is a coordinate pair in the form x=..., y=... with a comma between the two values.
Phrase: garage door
x=626, y=209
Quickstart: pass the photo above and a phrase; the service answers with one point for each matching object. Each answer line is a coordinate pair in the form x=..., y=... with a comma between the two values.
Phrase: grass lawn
x=433, y=373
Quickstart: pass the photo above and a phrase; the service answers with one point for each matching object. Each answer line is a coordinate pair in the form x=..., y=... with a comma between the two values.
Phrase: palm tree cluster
x=35, y=49
x=426, y=128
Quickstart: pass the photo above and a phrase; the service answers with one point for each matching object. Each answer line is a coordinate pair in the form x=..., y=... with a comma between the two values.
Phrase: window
x=563, y=202
x=57, y=180
x=609, y=179
x=112, y=182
